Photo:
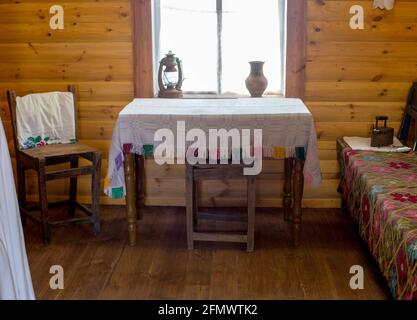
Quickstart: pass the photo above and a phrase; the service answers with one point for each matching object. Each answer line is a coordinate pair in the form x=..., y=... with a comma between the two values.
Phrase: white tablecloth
x=15, y=279
x=287, y=125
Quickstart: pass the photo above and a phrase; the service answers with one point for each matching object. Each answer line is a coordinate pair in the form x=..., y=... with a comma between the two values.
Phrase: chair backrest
x=408, y=130
x=33, y=140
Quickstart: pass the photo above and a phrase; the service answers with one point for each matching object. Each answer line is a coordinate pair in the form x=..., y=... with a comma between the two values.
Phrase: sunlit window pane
x=188, y=28
x=250, y=30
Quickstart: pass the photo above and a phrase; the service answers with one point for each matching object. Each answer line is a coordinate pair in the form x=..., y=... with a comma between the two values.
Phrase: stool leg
x=195, y=205
x=189, y=203
x=251, y=213
x=287, y=199
x=95, y=193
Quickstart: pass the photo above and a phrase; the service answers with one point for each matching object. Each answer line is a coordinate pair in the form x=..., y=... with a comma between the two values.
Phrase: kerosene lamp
x=170, y=77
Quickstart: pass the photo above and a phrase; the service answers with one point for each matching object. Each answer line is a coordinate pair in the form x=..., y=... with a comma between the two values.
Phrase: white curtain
x=15, y=279
x=384, y=4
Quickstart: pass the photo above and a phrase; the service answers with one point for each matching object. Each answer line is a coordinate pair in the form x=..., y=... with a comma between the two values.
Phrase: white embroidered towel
x=45, y=118
x=359, y=143
x=384, y=4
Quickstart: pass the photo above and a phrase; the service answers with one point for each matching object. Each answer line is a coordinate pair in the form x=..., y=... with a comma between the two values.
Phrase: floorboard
x=161, y=267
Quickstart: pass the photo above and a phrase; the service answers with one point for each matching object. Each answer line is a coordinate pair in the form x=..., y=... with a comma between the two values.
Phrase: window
x=215, y=39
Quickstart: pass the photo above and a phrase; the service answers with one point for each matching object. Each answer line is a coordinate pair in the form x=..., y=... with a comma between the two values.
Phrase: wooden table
x=292, y=198
x=288, y=134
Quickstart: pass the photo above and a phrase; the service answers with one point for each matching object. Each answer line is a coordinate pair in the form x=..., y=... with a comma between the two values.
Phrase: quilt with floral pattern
x=380, y=192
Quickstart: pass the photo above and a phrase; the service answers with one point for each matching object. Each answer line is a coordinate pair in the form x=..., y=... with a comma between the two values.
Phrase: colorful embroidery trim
x=33, y=142
x=117, y=193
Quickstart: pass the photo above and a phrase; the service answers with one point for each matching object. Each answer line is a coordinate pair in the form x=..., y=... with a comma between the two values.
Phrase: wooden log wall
x=94, y=52
x=351, y=75
x=354, y=75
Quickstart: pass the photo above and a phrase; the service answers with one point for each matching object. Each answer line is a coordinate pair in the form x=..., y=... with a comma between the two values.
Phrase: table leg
x=287, y=198
x=140, y=192
x=131, y=197
x=298, y=197
x=189, y=205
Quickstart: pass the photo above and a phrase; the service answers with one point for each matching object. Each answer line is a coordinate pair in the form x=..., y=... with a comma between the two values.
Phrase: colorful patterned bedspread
x=380, y=192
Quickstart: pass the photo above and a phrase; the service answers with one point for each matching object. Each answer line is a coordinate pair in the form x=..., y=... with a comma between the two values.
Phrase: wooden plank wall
x=351, y=75
x=94, y=51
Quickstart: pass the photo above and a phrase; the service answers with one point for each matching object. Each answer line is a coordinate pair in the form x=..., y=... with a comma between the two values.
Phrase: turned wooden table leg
x=287, y=198
x=298, y=197
x=131, y=197
x=140, y=192
x=189, y=205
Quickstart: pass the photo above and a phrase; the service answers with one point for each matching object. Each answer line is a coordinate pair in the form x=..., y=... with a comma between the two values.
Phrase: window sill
x=188, y=95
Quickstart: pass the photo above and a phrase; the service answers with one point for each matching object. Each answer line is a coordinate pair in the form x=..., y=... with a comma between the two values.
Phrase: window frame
x=144, y=61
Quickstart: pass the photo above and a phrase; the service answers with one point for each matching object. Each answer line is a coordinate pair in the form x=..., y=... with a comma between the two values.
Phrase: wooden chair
x=409, y=121
x=201, y=172
x=39, y=159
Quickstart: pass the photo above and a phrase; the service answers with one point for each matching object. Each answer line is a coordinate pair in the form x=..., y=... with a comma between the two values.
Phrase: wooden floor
x=160, y=266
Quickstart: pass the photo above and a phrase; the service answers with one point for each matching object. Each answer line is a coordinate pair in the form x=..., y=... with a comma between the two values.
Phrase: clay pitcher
x=256, y=83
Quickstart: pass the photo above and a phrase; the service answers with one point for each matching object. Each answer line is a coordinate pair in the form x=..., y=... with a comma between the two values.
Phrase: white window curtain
x=15, y=278
x=216, y=39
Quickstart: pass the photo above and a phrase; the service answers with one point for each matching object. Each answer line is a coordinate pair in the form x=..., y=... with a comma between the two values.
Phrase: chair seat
x=58, y=150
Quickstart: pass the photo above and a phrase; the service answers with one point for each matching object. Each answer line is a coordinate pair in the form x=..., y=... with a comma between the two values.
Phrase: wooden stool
x=200, y=172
